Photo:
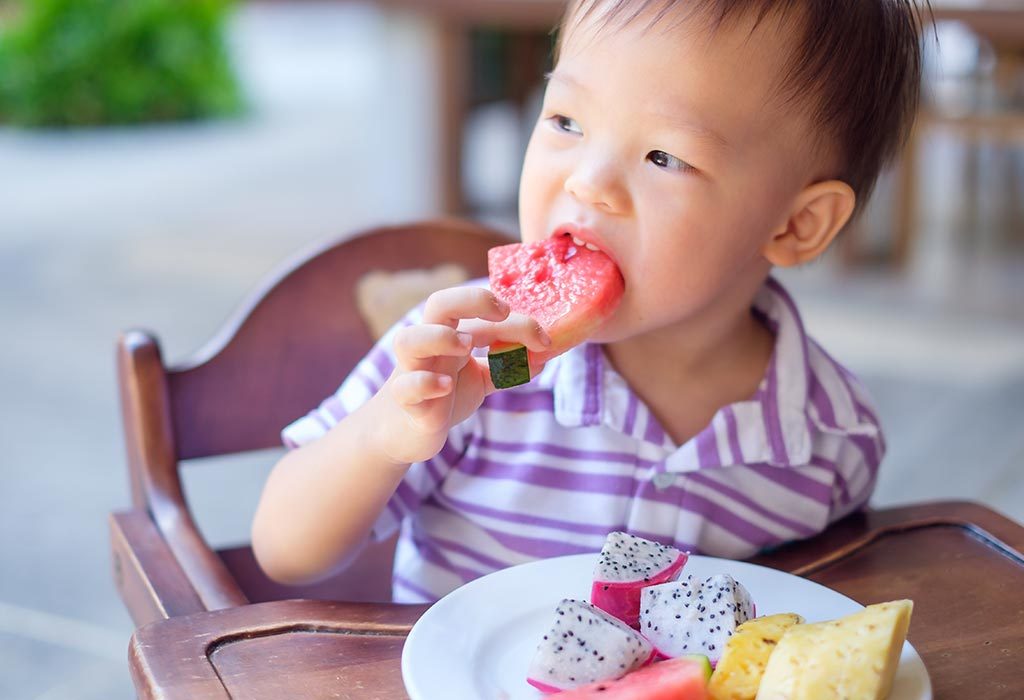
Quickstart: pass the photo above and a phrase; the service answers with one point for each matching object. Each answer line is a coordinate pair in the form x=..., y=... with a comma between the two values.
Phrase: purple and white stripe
x=549, y=468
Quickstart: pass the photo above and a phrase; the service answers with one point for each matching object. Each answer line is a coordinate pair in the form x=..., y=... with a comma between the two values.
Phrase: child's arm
x=321, y=500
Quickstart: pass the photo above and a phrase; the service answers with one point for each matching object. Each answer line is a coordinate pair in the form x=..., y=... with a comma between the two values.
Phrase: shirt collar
x=578, y=386
x=770, y=428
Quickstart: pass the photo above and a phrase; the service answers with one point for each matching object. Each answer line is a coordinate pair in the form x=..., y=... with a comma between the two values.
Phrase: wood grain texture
x=146, y=574
x=275, y=650
x=961, y=563
x=310, y=662
x=152, y=446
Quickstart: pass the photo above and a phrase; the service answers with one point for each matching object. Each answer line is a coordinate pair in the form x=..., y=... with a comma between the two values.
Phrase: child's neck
x=686, y=373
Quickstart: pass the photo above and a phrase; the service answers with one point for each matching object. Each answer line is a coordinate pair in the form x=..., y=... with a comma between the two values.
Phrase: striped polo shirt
x=550, y=467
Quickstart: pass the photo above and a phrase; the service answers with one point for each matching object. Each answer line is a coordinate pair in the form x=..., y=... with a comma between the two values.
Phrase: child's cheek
x=535, y=201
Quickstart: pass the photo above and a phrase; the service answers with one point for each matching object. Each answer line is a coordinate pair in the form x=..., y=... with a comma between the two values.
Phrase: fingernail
x=503, y=307
x=545, y=338
x=444, y=381
x=465, y=340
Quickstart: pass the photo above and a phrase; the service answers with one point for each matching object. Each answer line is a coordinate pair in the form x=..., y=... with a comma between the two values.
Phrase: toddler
x=698, y=143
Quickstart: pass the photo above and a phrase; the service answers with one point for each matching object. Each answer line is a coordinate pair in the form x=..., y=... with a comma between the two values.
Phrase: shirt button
x=662, y=480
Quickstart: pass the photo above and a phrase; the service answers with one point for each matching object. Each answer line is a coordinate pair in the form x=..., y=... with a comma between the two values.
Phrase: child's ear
x=817, y=215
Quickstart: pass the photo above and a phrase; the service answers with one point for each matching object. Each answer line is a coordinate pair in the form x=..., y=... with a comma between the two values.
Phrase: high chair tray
x=961, y=563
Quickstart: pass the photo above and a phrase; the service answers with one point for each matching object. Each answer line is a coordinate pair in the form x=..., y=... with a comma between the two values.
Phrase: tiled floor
x=170, y=227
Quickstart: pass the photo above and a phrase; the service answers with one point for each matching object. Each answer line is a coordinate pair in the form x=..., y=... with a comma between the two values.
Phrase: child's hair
x=855, y=67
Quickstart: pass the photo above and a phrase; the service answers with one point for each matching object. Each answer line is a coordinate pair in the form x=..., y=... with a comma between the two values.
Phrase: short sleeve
x=361, y=384
x=422, y=478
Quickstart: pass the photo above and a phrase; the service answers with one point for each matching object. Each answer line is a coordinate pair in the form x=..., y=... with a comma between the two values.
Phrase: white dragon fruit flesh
x=585, y=645
x=694, y=617
x=627, y=565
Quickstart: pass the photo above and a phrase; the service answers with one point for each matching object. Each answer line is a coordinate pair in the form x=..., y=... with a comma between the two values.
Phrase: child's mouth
x=583, y=237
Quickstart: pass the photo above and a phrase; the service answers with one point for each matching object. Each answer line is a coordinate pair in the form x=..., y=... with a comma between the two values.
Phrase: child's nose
x=599, y=187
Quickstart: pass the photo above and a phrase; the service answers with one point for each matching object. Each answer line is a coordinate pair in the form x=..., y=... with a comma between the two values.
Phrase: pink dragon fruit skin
x=626, y=566
x=694, y=617
x=585, y=645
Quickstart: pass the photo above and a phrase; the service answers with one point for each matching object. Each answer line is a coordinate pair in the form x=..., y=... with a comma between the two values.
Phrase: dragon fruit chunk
x=689, y=617
x=585, y=645
x=627, y=565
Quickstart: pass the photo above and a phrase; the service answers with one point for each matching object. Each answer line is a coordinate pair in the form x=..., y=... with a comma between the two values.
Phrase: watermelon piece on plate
x=569, y=289
x=676, y=679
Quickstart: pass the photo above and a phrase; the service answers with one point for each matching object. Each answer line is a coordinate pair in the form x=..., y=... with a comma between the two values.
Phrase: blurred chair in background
x=487, y=50
x=973, y=92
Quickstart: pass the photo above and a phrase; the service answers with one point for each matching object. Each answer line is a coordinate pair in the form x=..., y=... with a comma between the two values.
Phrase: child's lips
x=584, y=238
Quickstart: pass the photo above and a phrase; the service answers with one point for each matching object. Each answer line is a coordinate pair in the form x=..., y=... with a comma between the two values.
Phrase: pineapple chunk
x=853, y=658
x=738, y=673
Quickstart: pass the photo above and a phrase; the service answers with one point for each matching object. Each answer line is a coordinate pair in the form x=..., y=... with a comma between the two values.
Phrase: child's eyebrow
x=674, y=121
x=561, y=77
x=698, y=130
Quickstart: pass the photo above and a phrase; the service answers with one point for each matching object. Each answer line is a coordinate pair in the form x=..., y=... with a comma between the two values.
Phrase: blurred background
x=159, y=157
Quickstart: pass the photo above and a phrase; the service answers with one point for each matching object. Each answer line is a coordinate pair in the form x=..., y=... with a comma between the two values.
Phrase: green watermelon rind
x=702, y=661
x=509, y=366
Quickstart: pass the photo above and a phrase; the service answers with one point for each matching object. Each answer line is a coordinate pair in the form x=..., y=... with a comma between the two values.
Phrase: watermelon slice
x=568, y=288
x=676, y=679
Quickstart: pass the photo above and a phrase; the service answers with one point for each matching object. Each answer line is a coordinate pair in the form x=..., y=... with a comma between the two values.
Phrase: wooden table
x=961, y=563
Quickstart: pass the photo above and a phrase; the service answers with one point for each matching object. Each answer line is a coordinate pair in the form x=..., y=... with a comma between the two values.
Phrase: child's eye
x=566, y=124
x=668, y=161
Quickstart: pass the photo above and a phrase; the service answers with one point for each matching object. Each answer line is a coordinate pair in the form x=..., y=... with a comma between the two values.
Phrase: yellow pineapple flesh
x=738, y=673
x=852, y=658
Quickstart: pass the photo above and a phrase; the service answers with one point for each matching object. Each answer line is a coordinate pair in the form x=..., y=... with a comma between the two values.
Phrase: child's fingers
x=411, y=388
x=448, y=306
x=416, y=344
x=514, y=329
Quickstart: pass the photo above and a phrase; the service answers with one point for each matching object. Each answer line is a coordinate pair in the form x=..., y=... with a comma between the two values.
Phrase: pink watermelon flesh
x=676, y=679
x=568, y=289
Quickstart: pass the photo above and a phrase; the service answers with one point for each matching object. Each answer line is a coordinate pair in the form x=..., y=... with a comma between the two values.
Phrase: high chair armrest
x=148, y=577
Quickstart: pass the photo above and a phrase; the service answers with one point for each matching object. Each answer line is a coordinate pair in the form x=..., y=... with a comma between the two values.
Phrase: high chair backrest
x=289, y=346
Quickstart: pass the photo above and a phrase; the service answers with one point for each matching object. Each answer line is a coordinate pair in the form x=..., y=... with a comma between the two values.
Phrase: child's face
x=660, y=145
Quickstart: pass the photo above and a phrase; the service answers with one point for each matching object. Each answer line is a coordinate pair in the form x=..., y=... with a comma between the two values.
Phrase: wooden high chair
x=290, y=345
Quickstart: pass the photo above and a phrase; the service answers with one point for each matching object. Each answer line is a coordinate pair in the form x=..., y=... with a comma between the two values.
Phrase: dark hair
x=859, y=60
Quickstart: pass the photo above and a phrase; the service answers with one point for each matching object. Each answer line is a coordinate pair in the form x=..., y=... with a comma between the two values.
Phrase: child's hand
x=438, y=383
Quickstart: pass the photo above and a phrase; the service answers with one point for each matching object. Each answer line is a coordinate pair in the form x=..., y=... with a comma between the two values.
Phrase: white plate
x=476, y=642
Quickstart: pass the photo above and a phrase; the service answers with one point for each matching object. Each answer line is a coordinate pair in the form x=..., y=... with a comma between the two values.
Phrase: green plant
x=86, y=62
